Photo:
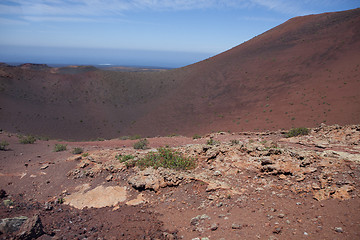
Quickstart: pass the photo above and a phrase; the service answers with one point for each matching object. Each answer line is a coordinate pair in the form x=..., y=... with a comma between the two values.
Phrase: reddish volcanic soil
x=245, y=186
x=249, y=181
x=301, y=73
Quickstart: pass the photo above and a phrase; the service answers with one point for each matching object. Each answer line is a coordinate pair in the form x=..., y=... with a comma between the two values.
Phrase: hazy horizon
x=99, y=56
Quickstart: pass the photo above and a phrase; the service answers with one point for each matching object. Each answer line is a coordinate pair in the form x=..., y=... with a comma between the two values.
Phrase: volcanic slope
x=300, y=73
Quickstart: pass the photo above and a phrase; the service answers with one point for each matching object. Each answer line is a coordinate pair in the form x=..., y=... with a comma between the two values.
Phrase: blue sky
x=169, y=33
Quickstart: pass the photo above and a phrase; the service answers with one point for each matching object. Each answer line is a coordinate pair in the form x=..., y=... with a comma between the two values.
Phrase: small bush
x=59, y=147
x=141, y=144
x=130, y=163
x=166, y=158
x=124, y=158
x=85, y=155
x=27, y=139
x=3, y=145
x=43, y=138
x=124, y=137
x=212, y=142
x=173, y=135
x=234, y=142
x=196, y=136
x=297, y=132
x=135, y=137
x=77, y=150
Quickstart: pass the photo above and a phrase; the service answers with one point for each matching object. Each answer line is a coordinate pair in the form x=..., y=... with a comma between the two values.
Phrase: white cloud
x=261, y=19
x=304, y=7
x=67, y=10
x=186, y=4
x=8, y=21
x=57, y=19
x=101, y=7
x=288, y=7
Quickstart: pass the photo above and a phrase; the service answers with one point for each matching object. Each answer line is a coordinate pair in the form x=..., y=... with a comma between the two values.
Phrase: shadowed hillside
x=301, y=73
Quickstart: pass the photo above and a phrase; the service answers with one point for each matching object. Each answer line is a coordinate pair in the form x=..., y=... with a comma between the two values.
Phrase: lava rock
x=2, y=193
x=31, y=229
x=214, y=227
x=339, y=229
x=10, y=225
x=236, y=226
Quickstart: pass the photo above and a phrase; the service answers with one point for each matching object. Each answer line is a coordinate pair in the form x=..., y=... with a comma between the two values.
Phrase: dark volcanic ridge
x=300, y=73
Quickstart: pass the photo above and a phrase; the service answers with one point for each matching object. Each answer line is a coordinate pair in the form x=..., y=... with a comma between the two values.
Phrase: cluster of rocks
x=20, y=227
x=95, y=164
x=310, y=163
x=299, y=162
x=154, y=179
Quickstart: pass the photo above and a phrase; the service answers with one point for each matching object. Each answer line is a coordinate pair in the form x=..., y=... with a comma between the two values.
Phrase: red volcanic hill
x=301, y=73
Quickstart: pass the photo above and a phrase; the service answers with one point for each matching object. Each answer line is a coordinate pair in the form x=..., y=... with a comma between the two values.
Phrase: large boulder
x=154, y=179
x=11, y=225
x=31, y=229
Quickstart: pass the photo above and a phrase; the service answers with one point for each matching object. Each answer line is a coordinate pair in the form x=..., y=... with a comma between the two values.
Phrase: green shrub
x=3, y=145
x=59, y=147
x=99, y=139
x=77, y=150
x=166, y=158
x=173, y=135
x=234, y=142
x=27, y=139
x=128, y=160
x=297, y=132
x=135, y=137
x=124, y=137
x=196, y=136
x=130, y=163
x=141, y=144
x=85, y=155
x=212, y=142
x=43, y=138
x=124, y=158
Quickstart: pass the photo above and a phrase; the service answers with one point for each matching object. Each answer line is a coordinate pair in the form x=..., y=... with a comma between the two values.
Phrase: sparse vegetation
x=124, y=137
x=166, y=158
x=59, y=147
x=234, y=142
x=297, y=132
x=141, y=144
x=212, y=142
x=196, y=136
x=85, y=154
x=77, y=150
x=124, y=158
x=27, y=139
x=173, y=135
x=3, y=145
x=43, y=138
x=135, y=137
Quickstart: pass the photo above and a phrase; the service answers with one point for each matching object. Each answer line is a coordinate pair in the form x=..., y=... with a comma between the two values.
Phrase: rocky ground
x=245, y=186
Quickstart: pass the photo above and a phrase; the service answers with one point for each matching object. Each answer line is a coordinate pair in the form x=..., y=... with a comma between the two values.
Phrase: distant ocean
x=99, y=57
